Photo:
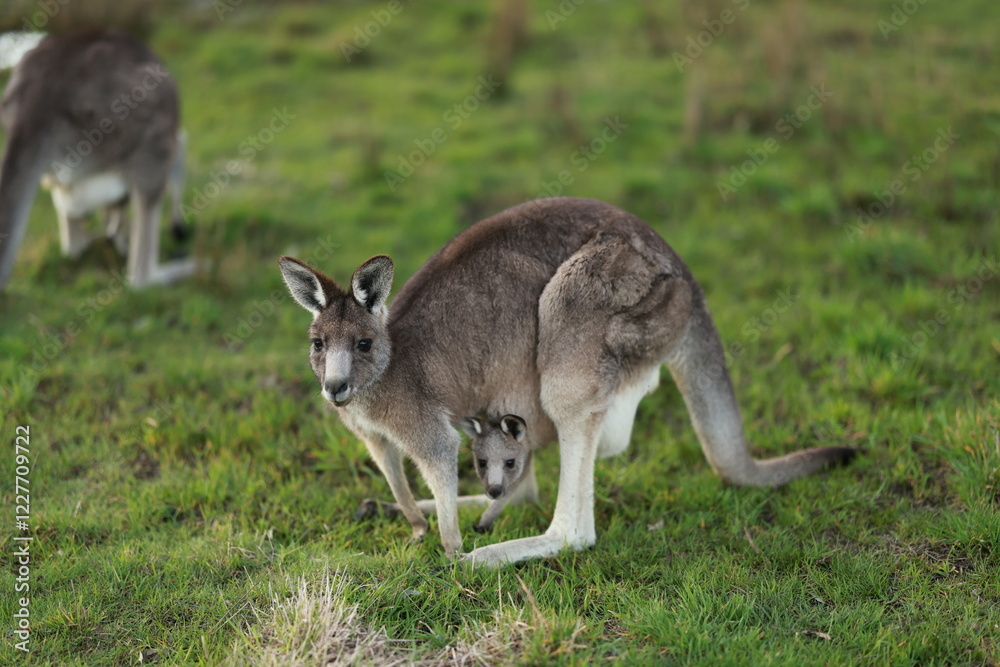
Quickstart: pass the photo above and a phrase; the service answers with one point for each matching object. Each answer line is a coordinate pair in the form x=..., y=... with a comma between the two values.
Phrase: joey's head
x=349, y=338
x=500, y=452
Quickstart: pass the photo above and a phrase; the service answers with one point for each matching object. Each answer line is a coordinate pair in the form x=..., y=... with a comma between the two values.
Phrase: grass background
x=187, y=482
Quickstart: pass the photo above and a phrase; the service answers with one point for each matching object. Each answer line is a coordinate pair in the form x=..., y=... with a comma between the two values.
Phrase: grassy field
x=829, y=171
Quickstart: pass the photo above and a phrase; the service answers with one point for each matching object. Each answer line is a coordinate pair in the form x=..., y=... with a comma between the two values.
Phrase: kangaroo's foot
x=526, y=548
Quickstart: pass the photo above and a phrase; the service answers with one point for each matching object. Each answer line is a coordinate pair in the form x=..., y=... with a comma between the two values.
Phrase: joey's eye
x=482, y=463
x=365, y=344
x=509, y=463
x=317, y=344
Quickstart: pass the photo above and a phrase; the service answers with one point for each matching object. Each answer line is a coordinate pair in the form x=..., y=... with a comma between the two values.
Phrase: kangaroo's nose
x=333, y=388
x=337, y=390
x=494, y=492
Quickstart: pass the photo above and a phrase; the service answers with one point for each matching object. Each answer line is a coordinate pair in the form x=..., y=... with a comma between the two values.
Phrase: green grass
x=186, y=479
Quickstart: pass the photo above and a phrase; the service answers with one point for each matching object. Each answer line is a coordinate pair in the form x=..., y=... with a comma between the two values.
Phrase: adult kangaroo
x=568, y=306
x=94, y=115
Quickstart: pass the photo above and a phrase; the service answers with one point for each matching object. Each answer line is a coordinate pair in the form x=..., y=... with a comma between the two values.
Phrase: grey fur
x=95, y=115
x=560, y=311
x=505, y=463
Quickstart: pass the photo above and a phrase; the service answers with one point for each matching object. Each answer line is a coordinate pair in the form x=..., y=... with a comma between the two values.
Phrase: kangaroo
x=571, y=302
x=94, y=117
x=505, y=463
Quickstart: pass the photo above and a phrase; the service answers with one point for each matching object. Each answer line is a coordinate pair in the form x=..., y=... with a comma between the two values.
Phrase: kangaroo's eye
x=317, y=344
x=509, y=463
x=482, y=463
x=365, y=344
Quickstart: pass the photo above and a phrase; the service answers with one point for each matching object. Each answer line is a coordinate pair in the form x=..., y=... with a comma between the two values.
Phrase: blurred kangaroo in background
x=93, y=116
x=572, y=302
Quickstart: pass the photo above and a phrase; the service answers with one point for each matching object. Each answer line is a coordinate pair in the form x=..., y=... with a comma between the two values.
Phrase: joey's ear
x=513, y=426
x=371, y=283
x=310, y=288
x=471, y=427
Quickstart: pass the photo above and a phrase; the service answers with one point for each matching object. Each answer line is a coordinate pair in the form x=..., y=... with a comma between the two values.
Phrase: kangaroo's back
x=467, y=322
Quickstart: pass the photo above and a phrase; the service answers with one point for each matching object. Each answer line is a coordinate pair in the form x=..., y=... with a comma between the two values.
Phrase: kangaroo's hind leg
x=604, y=327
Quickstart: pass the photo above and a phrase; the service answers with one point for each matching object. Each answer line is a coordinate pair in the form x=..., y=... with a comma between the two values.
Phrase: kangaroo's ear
x=471, y=427
x=311, y=289
x=513, y=426
x=371, y=283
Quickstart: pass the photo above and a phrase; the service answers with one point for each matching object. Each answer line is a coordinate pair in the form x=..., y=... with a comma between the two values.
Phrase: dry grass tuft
x=314, y=626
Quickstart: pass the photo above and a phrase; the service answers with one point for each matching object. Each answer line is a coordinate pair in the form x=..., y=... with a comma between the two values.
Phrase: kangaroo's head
x=500, y=451
x=349, y=336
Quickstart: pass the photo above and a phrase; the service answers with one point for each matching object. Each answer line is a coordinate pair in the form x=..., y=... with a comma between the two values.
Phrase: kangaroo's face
x=500, y=453
x=349, y=337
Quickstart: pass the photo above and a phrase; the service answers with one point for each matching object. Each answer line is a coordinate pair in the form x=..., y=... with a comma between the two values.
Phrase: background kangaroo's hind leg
x=143, y=267
x=24, y=157
x=73, y=238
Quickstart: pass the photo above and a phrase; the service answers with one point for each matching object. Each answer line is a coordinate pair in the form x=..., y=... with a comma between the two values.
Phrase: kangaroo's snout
x=338, y=391
x=494, y=492
x=337, y=377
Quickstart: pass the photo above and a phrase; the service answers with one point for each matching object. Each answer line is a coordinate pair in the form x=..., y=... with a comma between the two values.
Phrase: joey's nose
x=494, y=492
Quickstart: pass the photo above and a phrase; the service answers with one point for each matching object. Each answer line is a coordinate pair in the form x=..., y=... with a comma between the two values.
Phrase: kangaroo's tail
x=698, y=366
x=21, y=169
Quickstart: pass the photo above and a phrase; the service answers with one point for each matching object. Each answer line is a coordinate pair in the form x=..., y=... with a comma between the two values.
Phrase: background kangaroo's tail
x=698, y=366
x=21, y=169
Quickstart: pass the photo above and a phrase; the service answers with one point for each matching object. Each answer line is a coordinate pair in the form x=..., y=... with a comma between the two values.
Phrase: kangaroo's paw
x=482, y=528
x=370, y=507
